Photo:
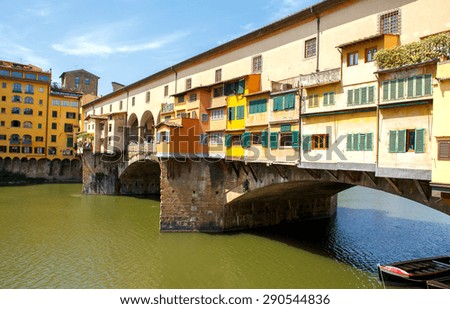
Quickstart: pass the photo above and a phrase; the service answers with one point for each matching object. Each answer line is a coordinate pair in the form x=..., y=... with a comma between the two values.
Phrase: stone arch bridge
x=220, y=195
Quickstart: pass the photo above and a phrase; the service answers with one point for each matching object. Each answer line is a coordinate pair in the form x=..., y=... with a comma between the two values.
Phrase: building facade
x=307, y=90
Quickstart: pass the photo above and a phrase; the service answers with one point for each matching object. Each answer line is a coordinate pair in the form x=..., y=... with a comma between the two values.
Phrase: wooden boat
x=415, y=272
x=441, y=283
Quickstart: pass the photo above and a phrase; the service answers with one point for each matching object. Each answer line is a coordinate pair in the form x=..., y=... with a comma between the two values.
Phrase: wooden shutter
x=371, y=98
x=392, y=141
x=295, y=139
x=158, y=137
x=364, y=95
x=326, y=98
x=349, y=97
x=289, y=101
x=306, y=143
x=393, y=89
x=386, y=90
x=444, y=150
x=369, y=141
x=401, y=141
x=278, y=103
x=231, y=112
x=356, y=142
x=428, y=84
x=357, y=100
x=240, y=112
x=420, y=141
x=241, y=86
x=273, y=140
x=401, y=88
x=246, y=139
x=285, y=128
x=411, y=82
x=264, y=138
x=228, y=140
x=349, y=142
x=419, y=86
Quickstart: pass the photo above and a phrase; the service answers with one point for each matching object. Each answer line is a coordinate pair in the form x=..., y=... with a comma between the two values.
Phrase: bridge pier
x=214, y=197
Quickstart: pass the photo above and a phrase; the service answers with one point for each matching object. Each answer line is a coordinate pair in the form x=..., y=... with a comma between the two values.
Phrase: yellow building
x=24, y=92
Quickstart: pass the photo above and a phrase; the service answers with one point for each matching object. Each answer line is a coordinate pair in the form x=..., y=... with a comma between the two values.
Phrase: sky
x=126, y=40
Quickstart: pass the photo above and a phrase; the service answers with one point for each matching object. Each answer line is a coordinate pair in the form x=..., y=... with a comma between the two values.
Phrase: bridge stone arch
x=234, y=195
x=140, y=178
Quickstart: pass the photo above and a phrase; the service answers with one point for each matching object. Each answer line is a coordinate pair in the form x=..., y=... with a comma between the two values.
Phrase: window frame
x=257, y=64
x=352, y=58
x=310, y=48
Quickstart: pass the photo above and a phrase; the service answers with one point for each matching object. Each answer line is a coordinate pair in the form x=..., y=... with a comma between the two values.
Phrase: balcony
x=308, y=80
x=167, y=107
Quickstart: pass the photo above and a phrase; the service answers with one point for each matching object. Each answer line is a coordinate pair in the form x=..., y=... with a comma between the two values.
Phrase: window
x=87, y=81
x=70, y=115
x=39, y=150
x=258, y=106
x=28, y=111
x=218, y=75
x=390, y=22
x=319, y=141
x=3, y=110
x=30, y=76
x=444, y=149
x=17, y=74
x=2, y=123
x=204, y=117
x=28, y=100
x=26, y=139
x=147, y=97
x=352, y=58
x=328, y=98
x=69, y=127
x=52, y=150
x=17, y=98
x=14, y=139
x=257, y=64
x=409, y=140
x=192, y=97
x=284, y=102
x=39, y=113
x=54, y=126
x=39, y=125
x=133, y=102
x=216, y=138
x=188, y=83
x=41, y=89
x=17, y=87
x=360, y=142
x=164, y=137
x=313, y=100
x=64, y=103
x=230, y=88
x=74, y=104
x=217, y=114
x=310, y=48
x=56, y=102
x=3, y=148
x=236, y=113
x=54, y=114
x=235, y=140
x=414, y=86
x=28, y=124
x=370, y=54
x=41, y=102
x=44, y=78
x=27, y=149
x=77, y=82
x=256, y=138
x=121, y=105
x=29, y=89
x=286, y=139
x=363, y=95
x=39, y=138
x=14, y=149
x=180, y=99
x=4, y=85
x=53, y=138
x=15, y=110
x=4, y=73
x=3, y=98
x=218, y=92
x=166, y=90
x=203, y=139
x=2, y=137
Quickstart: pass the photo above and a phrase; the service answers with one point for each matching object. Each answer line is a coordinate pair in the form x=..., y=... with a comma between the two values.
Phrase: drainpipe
x=318, y=39
x=300, y=140
x=176, y=77
x=377, y=137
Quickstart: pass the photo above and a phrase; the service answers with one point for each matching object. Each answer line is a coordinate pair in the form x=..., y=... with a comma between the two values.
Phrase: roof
x=289, y=21
x=365, y=39
x=20, y=66
x=169, y=124
x=96, y=117
x=212, y=85
x=79, y=71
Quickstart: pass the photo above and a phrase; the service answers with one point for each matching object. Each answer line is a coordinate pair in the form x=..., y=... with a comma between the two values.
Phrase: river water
x=52, y=236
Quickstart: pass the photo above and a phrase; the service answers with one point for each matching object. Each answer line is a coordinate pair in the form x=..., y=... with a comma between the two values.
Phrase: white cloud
x=100, y=43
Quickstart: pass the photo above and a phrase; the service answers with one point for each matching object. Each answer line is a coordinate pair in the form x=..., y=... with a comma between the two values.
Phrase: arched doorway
x=147, y=127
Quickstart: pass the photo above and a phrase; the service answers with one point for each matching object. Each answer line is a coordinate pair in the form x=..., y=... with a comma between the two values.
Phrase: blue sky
x=126, y=40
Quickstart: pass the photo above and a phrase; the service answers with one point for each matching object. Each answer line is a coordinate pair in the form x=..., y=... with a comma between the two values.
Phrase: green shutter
x=364, y=95
x=227, y=140
x=326, y=98
x=393, y=89
x=295, y=139
x=355, y=142
x=362, y=142
x=371, y=94
x=392, y=141
x=264, y=138
x=285, y=128
x=289, y=101
x=428, y=84
x=349, y=142
x=420, y=140
x=246, y=139
x=240, y=112
x=273, y=140
x=369, y=141
x=419, y=86
x=278, y=103
x=70, y=142
x=386, y=90
x=306, y=143
x=411, y=82
x=349, y=97
x=231, y=113
x=401, y=88
x=401, y=141
x=262, y=106
x=357, y=100
x=241, y=86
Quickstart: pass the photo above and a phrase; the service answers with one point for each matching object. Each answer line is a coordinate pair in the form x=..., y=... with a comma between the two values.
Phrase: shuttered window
x=246, y=139
x=306, y=143
x=228, y=138
x=240, y=112
x=284, y=102
x=363, y=95
x=360, y=142
x=274, y=140
x=264, y=138
x=257, y=106
x=416, y=86
x=231, y=113
x=444, y=150
x=412, y=140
